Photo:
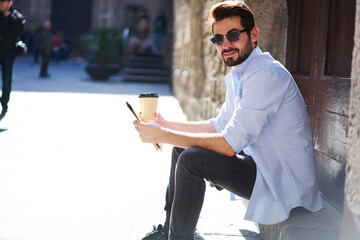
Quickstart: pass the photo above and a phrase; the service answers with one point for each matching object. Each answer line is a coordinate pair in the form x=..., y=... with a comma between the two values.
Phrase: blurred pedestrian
x=149, y=46
x=11, y=26
x=65, y=49
x=57, y=40
x=46, y=49
x=159, y=30
x=133, y=45
x=37, y=44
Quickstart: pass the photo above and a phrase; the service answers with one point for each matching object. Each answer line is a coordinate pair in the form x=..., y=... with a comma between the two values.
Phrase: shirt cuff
x=236, y=141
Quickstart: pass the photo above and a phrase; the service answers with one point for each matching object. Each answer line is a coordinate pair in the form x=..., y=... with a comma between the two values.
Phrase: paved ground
x=72, y=166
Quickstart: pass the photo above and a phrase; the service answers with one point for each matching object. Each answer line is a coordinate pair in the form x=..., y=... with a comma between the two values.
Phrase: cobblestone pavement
x=73, y=168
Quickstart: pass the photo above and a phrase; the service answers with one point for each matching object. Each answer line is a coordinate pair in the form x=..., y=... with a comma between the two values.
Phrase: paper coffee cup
x=148, y=106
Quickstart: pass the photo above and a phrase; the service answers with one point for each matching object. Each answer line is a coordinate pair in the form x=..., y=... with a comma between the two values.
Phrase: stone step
x=145, y=68
x=151, y=65
x=302, y=224
x=145, y=71
x=145, y=58
x=145, y=78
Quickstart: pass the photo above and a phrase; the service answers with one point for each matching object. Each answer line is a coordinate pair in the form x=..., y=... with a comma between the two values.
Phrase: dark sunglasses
x=231, y=36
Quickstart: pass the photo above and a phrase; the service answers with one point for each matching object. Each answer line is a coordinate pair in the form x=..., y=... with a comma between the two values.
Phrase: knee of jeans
x=188, y=157
x=191, y=152
x=190, y=166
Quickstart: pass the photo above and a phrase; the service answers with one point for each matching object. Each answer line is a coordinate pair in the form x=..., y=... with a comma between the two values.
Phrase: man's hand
x=149, y=132
x=158, y=119
x=161, y=120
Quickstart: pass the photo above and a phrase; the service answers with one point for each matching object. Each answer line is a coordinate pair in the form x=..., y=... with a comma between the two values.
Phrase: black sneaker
x=156, y=234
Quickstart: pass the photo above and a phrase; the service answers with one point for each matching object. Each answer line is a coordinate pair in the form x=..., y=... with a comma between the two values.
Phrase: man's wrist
x=166, y=124
x=163, y=134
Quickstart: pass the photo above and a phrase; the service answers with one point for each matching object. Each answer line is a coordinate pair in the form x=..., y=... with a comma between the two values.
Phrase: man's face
x=5, y=5
x=234, y=53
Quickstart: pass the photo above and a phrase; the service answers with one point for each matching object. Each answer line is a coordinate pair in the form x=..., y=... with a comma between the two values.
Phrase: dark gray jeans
x=186, y=189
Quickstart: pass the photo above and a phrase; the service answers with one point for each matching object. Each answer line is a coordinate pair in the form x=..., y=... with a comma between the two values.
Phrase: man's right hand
x=161, y=120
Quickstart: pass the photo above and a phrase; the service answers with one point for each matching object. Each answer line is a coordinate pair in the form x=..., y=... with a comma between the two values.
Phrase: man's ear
x=254, y=34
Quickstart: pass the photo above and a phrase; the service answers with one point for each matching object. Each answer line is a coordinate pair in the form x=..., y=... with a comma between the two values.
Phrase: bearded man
x=259, y=146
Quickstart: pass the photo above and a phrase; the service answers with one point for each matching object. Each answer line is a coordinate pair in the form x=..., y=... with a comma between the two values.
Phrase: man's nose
x=226, y=43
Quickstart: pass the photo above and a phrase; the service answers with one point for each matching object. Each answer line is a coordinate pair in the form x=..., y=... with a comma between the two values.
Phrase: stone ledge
x=303, y=224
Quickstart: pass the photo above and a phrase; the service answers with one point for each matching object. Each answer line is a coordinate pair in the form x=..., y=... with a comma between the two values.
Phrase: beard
x=243, y=54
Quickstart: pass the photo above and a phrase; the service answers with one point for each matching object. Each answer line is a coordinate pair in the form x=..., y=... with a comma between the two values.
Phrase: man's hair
x=227, y=9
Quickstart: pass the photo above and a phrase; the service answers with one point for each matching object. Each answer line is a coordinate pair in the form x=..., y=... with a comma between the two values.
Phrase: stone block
x=303, y=224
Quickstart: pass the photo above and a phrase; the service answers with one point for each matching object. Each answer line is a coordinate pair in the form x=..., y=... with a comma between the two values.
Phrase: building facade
x=75, y=18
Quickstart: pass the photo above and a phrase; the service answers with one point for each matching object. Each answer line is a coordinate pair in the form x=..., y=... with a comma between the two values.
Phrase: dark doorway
x=73, y=18
x=131, y=16
x=319, y=53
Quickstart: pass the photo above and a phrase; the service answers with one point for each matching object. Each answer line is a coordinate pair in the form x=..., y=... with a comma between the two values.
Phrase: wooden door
x=319, y=53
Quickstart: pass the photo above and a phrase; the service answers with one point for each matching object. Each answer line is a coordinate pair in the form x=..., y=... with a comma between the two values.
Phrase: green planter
x=105, y=46
x=102, y=73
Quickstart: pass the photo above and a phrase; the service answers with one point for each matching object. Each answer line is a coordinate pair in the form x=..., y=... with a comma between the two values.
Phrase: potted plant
x=105, y=48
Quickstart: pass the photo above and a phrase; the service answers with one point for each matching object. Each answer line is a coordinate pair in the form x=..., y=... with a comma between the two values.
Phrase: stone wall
x=198, y=71
x=351, y=223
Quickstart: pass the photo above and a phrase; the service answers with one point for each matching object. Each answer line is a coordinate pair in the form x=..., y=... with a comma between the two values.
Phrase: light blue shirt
x=267, y=118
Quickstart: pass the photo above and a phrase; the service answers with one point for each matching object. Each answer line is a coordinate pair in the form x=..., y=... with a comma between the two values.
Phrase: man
x=11, y=25
x=46, y=49
x=259, y=146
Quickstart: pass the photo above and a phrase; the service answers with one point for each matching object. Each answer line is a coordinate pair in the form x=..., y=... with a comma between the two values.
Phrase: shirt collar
x=239, y=70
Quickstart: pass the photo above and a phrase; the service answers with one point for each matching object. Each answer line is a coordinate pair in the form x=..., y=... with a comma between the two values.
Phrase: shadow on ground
x=244, y=235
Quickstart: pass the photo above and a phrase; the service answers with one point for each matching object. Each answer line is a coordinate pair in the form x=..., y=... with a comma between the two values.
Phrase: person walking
x=46, y=49
x=11, y=26
x=57, y=41
x=259, y=147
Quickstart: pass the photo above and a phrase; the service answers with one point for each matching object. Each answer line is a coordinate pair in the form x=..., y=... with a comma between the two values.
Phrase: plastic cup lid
x=148, y=95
